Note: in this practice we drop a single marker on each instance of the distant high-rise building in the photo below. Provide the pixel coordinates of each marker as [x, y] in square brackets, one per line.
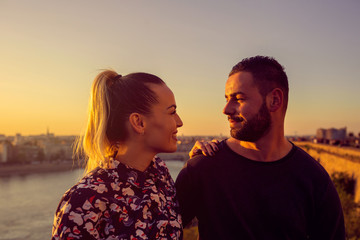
[331, 135]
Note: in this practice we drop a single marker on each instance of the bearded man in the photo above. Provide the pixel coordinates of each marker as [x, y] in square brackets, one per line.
[258, 185]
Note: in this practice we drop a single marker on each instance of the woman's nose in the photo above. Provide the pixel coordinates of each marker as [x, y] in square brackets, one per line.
[179, 122]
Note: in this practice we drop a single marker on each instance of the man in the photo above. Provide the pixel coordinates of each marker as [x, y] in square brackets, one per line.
[258, 185]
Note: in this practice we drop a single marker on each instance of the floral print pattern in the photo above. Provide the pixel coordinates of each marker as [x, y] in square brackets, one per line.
[120, 203]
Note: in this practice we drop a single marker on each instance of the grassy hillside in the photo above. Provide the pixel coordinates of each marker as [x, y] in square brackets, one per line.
[336, 159]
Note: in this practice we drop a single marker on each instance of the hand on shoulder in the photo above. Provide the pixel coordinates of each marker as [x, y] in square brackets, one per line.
[207, 148]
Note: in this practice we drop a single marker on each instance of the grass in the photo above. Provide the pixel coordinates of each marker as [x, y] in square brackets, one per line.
[191, 233]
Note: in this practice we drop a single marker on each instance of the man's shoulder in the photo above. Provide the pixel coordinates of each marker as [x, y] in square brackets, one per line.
[312, 165]
[200, 159]
[305, 157]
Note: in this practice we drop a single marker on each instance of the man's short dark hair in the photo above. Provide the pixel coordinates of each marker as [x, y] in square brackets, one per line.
[267, 72]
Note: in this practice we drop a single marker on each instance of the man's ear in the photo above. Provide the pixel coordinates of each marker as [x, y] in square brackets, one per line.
[275, 99]
[137, 122]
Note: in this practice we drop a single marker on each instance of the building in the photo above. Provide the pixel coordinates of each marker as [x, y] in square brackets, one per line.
[5, 151]
[331, 135]
[27, 153]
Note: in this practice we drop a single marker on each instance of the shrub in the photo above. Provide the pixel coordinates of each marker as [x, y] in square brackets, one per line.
[345, 186]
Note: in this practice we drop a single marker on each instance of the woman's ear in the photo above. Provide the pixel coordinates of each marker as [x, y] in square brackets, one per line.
[137, 122]
[275, 99]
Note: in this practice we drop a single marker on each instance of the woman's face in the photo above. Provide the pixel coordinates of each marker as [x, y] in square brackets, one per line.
[161, 125]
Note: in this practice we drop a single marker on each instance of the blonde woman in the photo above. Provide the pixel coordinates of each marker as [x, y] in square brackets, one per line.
[127, 192]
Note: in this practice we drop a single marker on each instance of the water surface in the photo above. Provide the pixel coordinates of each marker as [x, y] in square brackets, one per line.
[28, 203]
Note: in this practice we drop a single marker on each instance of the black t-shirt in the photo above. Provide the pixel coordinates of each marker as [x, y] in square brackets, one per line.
[237, 198]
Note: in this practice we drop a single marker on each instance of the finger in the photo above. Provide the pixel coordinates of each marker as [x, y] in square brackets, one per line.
[201, 147]
[204, 147]
[196, 150]
[207, 149]
[211, 146]
[214, 146]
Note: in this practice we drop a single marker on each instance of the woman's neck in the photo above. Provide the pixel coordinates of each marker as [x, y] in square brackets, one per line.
[135, 155]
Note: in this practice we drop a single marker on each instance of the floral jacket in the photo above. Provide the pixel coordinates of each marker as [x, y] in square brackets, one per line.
[120, 203]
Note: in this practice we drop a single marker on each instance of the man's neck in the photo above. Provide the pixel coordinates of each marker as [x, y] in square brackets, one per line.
[264, 150]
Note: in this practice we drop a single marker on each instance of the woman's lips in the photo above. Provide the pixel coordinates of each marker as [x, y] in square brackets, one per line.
[174, 136]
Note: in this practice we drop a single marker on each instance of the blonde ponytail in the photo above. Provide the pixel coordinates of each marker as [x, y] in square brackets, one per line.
[94, 145]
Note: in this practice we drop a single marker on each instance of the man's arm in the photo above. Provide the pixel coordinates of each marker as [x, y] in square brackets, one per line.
[329, 223]
[186, 195]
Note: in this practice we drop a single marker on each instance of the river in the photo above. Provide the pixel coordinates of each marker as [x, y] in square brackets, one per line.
[28, 203]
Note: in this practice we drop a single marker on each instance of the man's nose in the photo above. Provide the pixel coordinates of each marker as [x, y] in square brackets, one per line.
[228, 109]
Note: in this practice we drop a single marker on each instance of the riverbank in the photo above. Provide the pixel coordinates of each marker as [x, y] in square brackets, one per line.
[25, 169]
[7, 170]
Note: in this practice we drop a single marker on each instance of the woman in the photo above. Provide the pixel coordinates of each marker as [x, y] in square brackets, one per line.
[127, 192]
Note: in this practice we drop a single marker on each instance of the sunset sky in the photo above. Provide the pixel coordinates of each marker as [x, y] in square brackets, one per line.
[51, 51]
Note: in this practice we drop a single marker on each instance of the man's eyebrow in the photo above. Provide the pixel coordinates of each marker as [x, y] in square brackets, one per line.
[174, 106]
[234, 94]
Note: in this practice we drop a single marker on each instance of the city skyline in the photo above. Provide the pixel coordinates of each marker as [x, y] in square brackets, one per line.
[53, 134]
[51, 52]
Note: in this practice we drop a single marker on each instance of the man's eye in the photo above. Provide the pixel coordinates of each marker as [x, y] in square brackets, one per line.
[173, 113]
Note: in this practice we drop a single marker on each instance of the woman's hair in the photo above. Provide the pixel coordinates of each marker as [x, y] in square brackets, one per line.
[113, 98]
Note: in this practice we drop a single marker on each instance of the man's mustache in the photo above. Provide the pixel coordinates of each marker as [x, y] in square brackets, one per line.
[235, 118]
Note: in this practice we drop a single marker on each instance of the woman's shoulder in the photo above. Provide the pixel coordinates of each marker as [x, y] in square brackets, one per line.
[82, 205]
[161, 171]
[160, 165]
[95, 184]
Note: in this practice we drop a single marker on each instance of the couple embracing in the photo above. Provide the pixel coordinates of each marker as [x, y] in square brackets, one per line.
[254, 185]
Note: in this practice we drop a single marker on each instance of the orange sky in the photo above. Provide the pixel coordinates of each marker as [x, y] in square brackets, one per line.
[51, 51]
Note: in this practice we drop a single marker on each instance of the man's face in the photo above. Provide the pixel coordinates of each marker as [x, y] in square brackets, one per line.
[246, 109]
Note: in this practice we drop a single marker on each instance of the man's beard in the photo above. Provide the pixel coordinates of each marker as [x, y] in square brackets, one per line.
[253, 129]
